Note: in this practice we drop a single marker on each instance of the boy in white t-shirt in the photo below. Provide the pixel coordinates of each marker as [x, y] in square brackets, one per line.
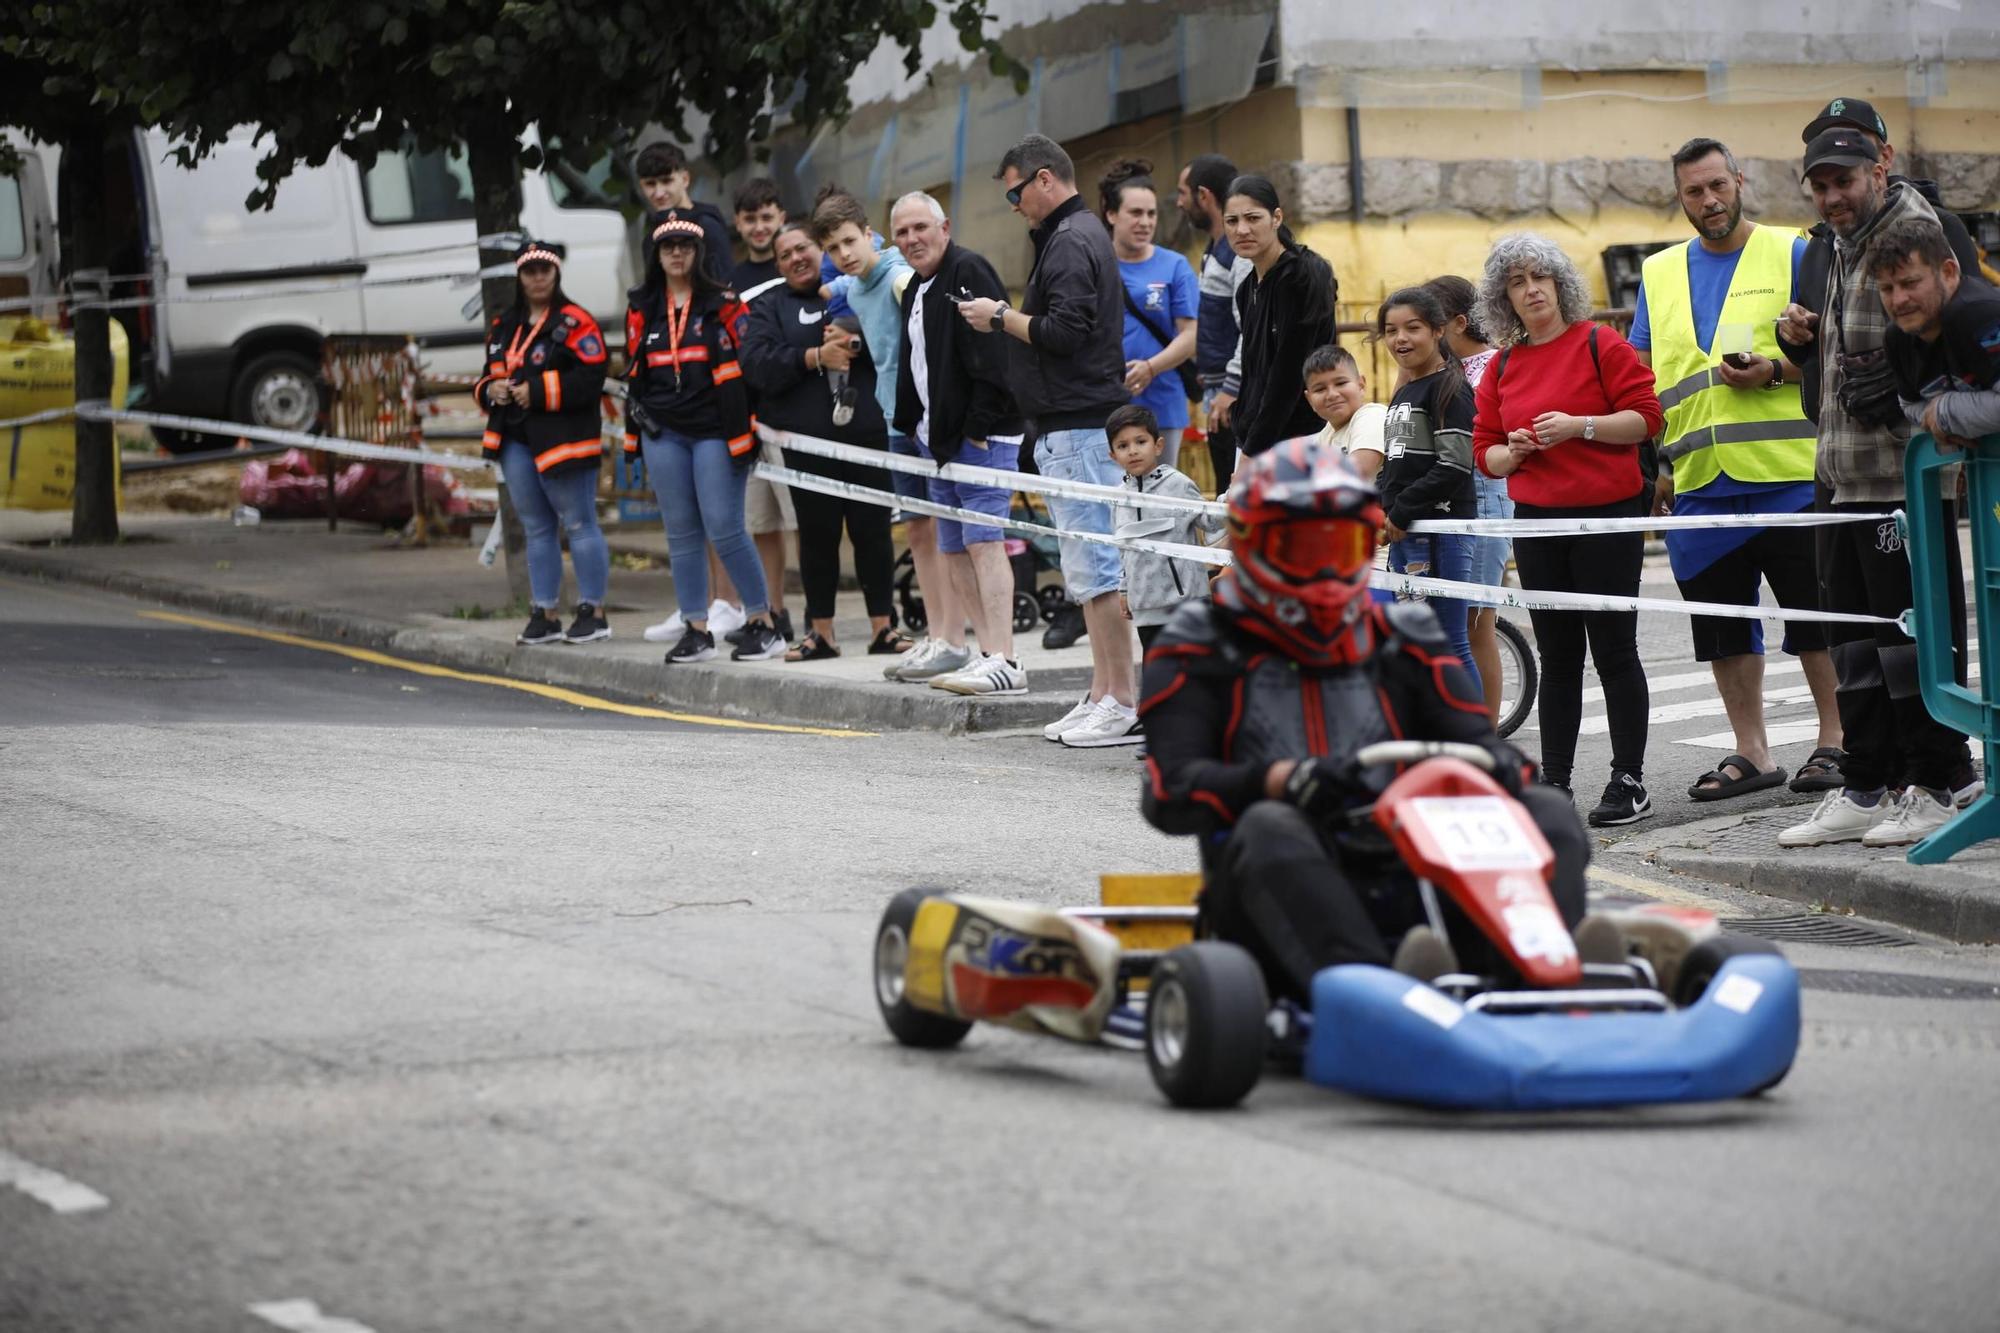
[1338, 391]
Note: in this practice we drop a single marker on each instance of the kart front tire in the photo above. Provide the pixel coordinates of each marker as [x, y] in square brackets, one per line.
[1698, 969]
[1206, 1024]
[907, 1024]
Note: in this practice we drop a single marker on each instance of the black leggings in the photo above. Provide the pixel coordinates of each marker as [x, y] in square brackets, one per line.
[1281, 888]
[821, 518]
[1605, 563]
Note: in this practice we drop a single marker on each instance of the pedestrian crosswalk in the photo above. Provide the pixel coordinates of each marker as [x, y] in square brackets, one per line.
[1687, 709]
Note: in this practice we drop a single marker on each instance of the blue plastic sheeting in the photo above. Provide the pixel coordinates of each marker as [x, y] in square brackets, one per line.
[1380, 1034]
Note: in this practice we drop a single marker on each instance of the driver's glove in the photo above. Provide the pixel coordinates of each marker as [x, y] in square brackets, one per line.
[1325, 788]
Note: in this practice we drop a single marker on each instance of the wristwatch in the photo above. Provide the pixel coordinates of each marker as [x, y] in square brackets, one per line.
[999, 321]
[1777, 374]
[1590, 428]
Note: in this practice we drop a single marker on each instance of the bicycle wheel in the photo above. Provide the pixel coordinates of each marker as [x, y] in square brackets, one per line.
[1519, 675]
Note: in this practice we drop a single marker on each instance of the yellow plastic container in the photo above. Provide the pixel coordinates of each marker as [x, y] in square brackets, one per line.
[38, 372]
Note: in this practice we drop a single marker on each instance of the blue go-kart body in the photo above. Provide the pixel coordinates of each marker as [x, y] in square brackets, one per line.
[1381, 1034]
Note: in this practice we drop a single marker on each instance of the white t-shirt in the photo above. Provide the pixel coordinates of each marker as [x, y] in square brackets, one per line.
[920, 366]
[1361, 434]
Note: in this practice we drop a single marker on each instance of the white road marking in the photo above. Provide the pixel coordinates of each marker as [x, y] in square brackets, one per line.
[303, 1316]
[58, 1191]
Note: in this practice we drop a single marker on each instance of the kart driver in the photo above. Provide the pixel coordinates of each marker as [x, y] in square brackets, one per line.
[1255, 705]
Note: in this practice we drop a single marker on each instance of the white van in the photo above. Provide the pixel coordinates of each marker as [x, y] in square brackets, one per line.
[397, 240]
[27, 233]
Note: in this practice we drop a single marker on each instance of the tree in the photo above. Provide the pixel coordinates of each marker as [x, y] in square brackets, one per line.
[320, 76]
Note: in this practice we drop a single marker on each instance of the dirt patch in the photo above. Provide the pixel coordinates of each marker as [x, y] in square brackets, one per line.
[210, 488]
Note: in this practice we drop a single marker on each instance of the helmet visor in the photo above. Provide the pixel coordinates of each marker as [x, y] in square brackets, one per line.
[1319, 548]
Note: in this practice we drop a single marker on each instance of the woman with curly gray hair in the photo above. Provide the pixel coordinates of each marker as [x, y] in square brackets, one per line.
[1560, 414]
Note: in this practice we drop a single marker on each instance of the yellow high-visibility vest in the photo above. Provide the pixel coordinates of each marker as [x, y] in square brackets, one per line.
[1752, 434]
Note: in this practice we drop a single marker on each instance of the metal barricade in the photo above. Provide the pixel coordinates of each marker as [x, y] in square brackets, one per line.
[1972, 710]
[372, 382]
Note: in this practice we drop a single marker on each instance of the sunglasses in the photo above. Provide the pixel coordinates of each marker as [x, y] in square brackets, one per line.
[1014, 195]
[677, 243]
[1317, 548]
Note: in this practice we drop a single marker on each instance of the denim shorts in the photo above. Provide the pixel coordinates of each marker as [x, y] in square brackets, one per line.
[908, 485]
[1090, 569]
[954, 535]
[1489, 554]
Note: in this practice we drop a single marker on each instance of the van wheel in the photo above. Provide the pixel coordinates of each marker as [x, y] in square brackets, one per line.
[277, 389]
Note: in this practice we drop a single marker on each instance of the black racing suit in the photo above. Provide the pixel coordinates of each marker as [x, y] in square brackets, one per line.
[1222, 704]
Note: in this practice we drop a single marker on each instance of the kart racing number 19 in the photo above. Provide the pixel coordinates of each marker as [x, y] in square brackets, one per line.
[1478, 832]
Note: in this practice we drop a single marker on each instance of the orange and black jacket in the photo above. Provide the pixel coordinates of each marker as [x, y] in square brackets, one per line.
[562, 363]
[707, 399]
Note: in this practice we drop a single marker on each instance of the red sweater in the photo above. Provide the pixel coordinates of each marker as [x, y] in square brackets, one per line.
[1559, 377]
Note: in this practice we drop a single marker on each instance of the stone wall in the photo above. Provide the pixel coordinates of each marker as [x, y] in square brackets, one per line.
[1577, 189]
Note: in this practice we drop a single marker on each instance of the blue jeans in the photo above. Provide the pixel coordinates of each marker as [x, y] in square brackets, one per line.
[1091, 569]
[1489, 554]
[700, 489]
[1441, 557]
[552, 507]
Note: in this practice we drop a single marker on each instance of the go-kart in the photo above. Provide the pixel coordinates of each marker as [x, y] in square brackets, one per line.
[1690, 1014]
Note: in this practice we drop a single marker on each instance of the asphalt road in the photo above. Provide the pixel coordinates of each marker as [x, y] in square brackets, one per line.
[464, 1009]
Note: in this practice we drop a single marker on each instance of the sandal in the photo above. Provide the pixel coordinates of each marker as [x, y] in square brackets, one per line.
[1822, 771]
[1724, 784]
[890, 640]
[812, 648]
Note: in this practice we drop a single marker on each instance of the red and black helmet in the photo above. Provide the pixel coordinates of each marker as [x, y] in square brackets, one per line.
[1304, 529]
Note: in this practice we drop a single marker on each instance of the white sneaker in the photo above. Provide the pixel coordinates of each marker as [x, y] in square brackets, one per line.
[1112, 724]
[724, 619]
[919, 652]
[1085, 709]
[987, 675]
[942, 661]
[667, 631]
[1970, 792]
[1918, 815]
[1839, 819]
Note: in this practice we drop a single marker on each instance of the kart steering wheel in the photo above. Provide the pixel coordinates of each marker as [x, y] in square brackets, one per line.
[1410, 752]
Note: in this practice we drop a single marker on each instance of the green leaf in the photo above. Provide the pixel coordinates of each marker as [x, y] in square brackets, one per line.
[280, 68]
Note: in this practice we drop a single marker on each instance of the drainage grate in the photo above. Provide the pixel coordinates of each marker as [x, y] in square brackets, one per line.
[1814, 928]
[1897, 985]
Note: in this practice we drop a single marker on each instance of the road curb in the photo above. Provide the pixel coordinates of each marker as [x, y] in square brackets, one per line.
[1954, 901]
[754, 695]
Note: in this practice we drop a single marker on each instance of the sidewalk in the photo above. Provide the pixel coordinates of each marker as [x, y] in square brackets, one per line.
[1959, 900]
[440, 605]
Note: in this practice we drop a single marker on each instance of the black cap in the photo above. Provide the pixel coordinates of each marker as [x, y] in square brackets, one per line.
[1840, 147]
[538, 252]
[1849, 111]
[676, 223]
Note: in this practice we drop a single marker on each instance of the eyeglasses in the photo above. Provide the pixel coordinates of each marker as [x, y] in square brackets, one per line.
[1314, 548]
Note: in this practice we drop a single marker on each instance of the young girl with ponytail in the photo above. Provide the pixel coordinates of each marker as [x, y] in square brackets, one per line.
[1285, 309]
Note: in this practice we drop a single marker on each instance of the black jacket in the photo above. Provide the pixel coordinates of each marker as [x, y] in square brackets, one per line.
[1279, 332]
[783, 323]
[1221, 705]
[1966, 354]
[1818, 260]
[1070, 374]
[561, 360]
[968, 390]
[706, 398]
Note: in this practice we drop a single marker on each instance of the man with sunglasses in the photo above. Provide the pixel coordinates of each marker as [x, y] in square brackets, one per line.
[1256, 704]
[1067, 371]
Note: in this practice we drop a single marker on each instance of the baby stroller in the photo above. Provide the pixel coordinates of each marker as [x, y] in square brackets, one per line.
[1031, 558]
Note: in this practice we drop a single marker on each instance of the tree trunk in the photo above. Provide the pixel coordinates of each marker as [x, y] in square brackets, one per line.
[493, 153]
[94, 502]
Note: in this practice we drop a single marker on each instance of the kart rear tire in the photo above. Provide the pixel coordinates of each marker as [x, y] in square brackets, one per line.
[1206, 1025]
[1704, 960]
[907, 1024]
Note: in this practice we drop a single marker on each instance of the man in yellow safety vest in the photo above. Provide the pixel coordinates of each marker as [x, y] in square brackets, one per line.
[1736, 442]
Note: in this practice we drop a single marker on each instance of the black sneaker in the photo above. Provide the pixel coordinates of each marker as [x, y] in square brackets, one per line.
[1066, 628]
[1625, 802]
[782, 622]
[696, 645]
[542, 628]
[760, 643]
[589, 625]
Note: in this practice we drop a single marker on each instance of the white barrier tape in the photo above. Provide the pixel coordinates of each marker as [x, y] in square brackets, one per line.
[1569, 527]
[298, 439]
[985, 476]
[287, 291]
[36, 418]
[834, 486]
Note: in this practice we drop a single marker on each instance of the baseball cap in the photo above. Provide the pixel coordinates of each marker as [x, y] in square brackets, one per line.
[1850, 111]
[1840, 147]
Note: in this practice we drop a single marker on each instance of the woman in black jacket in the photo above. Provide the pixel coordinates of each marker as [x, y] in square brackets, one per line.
[1285, 310]
[788, 347]
[544, 374]
[686, 408]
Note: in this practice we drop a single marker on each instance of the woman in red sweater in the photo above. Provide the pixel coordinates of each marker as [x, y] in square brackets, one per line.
[1560, 414]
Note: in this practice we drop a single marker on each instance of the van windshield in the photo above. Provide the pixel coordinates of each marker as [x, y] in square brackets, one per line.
[405, 186]
[13, 223]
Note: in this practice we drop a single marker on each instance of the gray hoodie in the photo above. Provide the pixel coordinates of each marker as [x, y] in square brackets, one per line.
[1156, 584]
